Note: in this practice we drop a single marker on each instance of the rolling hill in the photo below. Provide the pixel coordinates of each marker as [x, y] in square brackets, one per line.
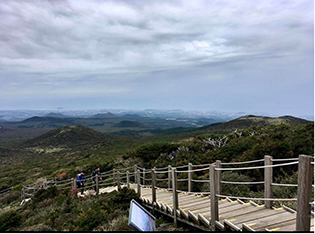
[252, 120]
[69, 138]
[107, 115]
[130, 124]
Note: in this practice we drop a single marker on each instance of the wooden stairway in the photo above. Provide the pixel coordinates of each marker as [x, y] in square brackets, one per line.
[233, 215]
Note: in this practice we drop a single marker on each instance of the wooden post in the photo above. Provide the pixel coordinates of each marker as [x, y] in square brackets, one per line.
[175, 194]
[114, 177]
[214, 206]
[128, 180]
[143, 175]
[169, 176]
[303, 215]
[189, 176]
[96, 184]
[135, 174]
[268, 180]
[218, 176]
[138, 183]
[153, 176]
[22, 195]
[118, 179]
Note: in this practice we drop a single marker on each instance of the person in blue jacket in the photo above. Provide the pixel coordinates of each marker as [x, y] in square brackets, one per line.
[80, 181]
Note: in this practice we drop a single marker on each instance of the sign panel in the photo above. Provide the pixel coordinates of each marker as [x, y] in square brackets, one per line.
[140, 219]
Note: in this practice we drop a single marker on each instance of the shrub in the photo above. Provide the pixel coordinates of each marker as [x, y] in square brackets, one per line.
[9, 221]
[43, 194]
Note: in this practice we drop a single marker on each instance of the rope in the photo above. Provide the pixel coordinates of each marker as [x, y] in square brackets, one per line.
[284, 159]
[181, 166]
[235, 182]
[161, 172]
[248, 168]
[290, 185]
[202, 169]
[161, 168]
[180, 180]
[161, 179]
[258, 199]
[201, 165]
[246, 162]
[146, 172]
[3, 191]
[107, 172]
[202, 181]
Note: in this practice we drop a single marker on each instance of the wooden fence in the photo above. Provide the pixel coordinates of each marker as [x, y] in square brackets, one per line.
[170, 177]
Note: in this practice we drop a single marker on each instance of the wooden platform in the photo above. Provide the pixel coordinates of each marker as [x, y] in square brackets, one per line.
[233, 215]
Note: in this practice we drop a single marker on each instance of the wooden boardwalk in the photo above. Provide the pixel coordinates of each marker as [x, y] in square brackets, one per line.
[233, 215]
[210, 213]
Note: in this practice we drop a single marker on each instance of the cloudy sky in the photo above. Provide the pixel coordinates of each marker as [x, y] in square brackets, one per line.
[223, 55]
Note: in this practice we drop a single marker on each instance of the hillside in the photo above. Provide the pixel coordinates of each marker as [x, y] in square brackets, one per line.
[70, 137]
[130, 124]
[252, 120]
[107, 115]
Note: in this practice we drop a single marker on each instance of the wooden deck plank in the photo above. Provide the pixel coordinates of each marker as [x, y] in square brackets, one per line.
[229, 214]
[283, 227]
[245, 218]
[256, 218]
[243, 215]
[260, 224]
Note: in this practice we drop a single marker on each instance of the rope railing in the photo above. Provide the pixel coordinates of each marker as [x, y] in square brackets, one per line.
[5, 190]
[237, 182]
[245, 162]
[251, 168]
[287, 185]
[284, 159]
[202, 165]
[201, 181]
[202, 169]
[181, 180]
[107, 172]
[161, 168]
[161, 179]
[161, 172]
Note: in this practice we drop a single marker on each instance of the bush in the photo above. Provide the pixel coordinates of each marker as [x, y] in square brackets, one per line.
[44, 194]
[9, 221]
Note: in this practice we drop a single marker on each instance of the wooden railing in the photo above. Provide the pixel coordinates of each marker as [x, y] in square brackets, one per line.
[170, 177]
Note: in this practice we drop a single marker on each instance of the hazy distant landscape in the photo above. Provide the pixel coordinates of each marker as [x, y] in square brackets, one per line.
[45, 146]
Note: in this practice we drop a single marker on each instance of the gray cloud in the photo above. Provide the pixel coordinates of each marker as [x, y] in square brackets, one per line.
[49, 47]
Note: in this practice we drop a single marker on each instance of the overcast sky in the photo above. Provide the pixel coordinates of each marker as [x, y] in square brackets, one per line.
[244, 55]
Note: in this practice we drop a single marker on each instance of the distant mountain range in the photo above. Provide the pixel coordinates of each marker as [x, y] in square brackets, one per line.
[79, 137]
[134, 125]
[107, 115]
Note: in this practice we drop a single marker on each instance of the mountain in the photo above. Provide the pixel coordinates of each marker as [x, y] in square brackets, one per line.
[55, 115]
[130, 124]
[46, 122]
[107, 115]
[69, 137]
[131, 116]
[252, 120]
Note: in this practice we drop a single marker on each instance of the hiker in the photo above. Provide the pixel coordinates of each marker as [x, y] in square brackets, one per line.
[80, 181]
[95, 173]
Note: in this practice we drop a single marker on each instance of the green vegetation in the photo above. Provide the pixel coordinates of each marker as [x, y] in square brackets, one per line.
[72, 149]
